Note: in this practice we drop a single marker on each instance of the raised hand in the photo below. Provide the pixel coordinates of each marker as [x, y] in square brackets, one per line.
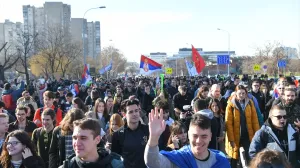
[156, 126]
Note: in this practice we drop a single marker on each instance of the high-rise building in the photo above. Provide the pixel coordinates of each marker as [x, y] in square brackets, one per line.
[57, 14]
[93, 38]
[9, 32]
[38, 19]
[91, 31]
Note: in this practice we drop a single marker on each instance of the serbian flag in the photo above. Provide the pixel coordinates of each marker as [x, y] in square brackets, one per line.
[148, 66]
[198, 60]
[276, 93]
[85, 77]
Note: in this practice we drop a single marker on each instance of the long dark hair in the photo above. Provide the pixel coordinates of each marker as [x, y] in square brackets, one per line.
[32, 111]
[105, 112]
[218, 104]
[201, 90]
[80, 104]
[23, 137]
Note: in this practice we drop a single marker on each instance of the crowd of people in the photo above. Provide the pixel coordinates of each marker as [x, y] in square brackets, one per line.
[186, 122]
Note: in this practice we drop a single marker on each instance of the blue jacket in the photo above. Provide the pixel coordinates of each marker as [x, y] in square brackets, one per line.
[184, 158]
[15, 93]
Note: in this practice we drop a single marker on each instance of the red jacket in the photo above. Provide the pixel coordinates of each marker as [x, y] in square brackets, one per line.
[37, 115]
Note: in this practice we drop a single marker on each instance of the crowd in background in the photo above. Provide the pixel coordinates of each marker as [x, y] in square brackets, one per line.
[252, 121]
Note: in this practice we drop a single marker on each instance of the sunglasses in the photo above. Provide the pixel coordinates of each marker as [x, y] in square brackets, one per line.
[279, 117]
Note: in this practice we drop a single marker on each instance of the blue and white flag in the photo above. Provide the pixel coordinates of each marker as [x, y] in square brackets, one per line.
[191, 68]
[107, 68]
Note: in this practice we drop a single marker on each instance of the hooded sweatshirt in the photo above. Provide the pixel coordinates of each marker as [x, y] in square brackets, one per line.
[105, 160]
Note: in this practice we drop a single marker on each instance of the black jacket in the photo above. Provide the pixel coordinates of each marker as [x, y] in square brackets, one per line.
[147, 102]
[39, 141]
[29, 128]
[30, 162]
[130, 144]
[57, 152]
[105, 160]
[179, 101]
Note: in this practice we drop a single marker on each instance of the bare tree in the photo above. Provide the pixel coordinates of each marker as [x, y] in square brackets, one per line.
[7, 62]
[25, 48]
[71, 52]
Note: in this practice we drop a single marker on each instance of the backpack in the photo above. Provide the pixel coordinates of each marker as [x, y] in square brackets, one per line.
[8, 101]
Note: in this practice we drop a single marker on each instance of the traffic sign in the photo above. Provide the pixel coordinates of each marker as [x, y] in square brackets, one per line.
[223, 59]
[169, 71]
[281, 64]
[265, 67]
[256, 67]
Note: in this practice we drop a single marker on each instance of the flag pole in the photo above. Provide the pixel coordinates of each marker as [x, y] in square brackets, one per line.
[176, 65]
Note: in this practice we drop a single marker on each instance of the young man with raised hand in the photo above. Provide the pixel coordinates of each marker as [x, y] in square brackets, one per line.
[195, 155]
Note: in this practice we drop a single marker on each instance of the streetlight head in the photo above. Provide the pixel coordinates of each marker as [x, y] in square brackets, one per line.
[102, 7]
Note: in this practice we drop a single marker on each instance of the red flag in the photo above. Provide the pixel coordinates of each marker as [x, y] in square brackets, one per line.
[198, 60]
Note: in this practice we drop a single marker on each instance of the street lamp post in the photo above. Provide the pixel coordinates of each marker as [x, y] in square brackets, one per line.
[228, 46]
[83, 32]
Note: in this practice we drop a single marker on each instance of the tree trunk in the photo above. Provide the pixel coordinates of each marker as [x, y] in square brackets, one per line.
[26, 73]
[2, 77]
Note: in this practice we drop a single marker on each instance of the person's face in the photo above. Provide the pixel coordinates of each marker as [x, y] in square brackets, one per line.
[173, 83]
[27, 96]
[204, 94]
[110, 102]
[280, 89]
[129, 86]
[289, 97]
[84, 142]
[182, 137]
[89, 92]
[75, 105]
[182, 91]
[199, 139]
[69, 99]
[241, 94]
[109, 94]
[132, 114]
[214, 107]
[3, 125]
[48, 102]
[255, 86]
[119, 90]
[166, 114]
[21, 115]
[216, 92]
[147, 89]
[114, 126]
[236, 81]
[14, 146]
[47, 121]
[100, 108]
[279, 118]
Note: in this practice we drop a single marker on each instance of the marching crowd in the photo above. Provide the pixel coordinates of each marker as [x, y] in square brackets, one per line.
[186, 122]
